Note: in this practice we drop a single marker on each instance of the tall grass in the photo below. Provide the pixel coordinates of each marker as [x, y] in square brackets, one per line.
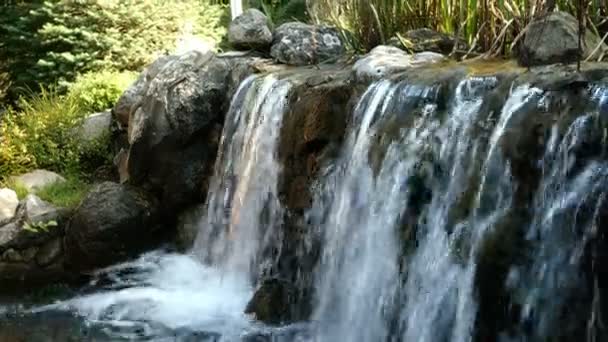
[492, 26]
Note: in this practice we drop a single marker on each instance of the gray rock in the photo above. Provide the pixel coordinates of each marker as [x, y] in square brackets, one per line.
[95, 126]
[302, 44]
[37, 179]
[250, 30]
[35, 223]
[386, 60]
[8, 204]
[131, 98]
[173, 134]
[49, 252]
[112, 223]
[554, 39]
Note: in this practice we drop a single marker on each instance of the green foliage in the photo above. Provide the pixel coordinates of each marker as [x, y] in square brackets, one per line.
[18, 187]
[43, 133]
[66, 194]
[39, 227]
[39, 136]
[281, 11]
[52, 42]
[98, 91]
[489, 25]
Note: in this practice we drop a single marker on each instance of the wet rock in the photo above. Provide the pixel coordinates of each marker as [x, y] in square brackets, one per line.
[303, 44]
[250, 30]
[37, 179]
[272, 302]
[386, 60]
[95, 126]
[132, 97]
[49, 252]
[425, 39]
[554, 39]
[112, 222]
[8, 204]
[188, 225]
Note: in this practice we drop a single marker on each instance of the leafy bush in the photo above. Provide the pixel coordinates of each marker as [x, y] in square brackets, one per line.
[53, 41]
[281, 11]
[98, 91]
[42, 134]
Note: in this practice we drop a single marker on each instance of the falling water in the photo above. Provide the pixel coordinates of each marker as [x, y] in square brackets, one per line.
[208, 290]
[426, 183]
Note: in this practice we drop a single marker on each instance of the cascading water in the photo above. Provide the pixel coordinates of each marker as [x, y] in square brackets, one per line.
[161, 293]
[460, 210]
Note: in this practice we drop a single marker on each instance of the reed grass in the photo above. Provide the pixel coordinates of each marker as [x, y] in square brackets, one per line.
[492, 26]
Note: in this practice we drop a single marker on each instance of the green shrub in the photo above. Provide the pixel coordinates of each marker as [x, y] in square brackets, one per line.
[98, 91]
[40, 135]
[18, 187]
[51, 42]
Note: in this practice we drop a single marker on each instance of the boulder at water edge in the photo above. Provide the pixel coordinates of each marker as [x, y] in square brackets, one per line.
[113, 222]
[250, 30]
[554, 39]
[386, 60]
[302, 44]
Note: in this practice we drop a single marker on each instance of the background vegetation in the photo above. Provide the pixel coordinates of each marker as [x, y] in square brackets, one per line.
[491, 26]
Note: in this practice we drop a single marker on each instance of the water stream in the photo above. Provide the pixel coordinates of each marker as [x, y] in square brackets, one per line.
[424, 199]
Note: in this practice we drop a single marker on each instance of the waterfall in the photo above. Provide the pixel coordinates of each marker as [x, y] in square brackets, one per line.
[243, 210]
[457, 208]
[209, 289]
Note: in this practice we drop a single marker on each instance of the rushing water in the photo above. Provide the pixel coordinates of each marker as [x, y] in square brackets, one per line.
[425, 198]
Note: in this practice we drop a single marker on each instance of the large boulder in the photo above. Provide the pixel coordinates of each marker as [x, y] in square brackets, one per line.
[8, 204]
[250, 30]
[113, 222]
[175, 129]
[424, 39]
[554, 39]
[132, 97]
[37, 179]
[302, 44]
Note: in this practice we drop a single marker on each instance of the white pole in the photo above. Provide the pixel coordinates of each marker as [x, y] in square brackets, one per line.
[236, 8]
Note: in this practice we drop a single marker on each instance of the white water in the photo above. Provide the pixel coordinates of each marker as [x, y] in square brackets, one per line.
[209, 289]
[369, 287]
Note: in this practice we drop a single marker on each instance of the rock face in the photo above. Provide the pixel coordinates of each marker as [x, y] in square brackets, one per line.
[8, 204]
[385, 60]
[303, 44]
[173, 132]
[250, 30]
[132, 97]
[188, 225]
[38, 179]
[272, 302]
[554, 39]
[31, 246]
[95, 126]
[425, 39]
[112, 222]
